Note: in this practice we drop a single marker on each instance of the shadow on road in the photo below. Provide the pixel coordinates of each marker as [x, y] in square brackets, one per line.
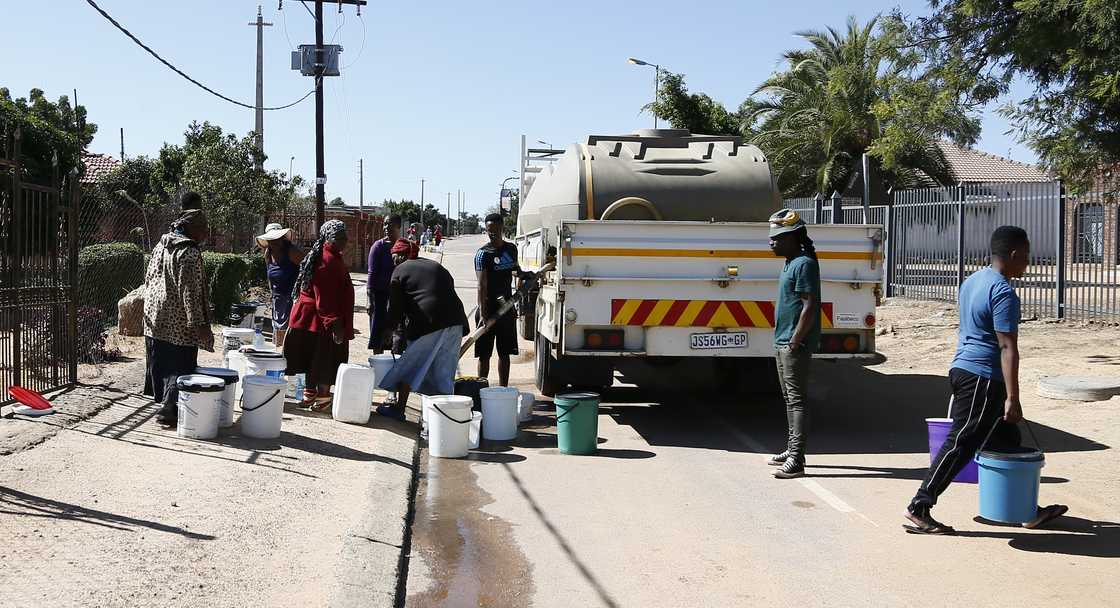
[29, 505]
[854, 409]
[1064, 536]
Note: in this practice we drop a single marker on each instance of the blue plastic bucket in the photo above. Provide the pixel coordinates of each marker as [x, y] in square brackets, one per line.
[1009, 484]
[938, 430]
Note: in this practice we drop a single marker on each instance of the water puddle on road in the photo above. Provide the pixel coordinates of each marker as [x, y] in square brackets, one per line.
[471, 557]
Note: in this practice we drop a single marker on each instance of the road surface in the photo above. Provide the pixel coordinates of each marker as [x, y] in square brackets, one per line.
[679, 508]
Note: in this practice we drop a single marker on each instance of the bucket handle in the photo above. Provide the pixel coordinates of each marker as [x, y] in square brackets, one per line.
[1030, 429]
[449, 417]
[570, 410]
[258, 406]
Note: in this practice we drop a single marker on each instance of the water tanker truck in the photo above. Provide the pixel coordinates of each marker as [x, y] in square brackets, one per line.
[662, 263]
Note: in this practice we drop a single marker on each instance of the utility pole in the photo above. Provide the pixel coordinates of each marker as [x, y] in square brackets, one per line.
[449, 213]
[320, 157]
[259, 126]
[459, 212]
[122, 144]
[361, 186]
[421, 204]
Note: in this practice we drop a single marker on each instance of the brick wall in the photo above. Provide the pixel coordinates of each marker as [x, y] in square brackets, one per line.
[362, 228]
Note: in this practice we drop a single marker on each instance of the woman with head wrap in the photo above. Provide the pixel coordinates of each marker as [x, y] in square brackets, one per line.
[176, 311]
[322, 321]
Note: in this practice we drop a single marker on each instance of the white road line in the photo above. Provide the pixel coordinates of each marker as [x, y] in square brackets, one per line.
[823, 494]
[833, 500]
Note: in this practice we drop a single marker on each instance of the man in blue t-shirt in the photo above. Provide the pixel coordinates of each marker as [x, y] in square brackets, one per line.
[984, 378]
[495, 266]
[797, 331]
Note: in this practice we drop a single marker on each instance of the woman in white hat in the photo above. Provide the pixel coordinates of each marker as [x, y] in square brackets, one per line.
[283, 258]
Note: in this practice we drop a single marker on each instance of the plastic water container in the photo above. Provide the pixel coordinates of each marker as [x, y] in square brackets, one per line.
[1009, 484]
[475, 432]
[233, 338]
[229, 395]
[264, 363]
[450, 418]
[353, 393]
[381, 364]
[525, 407]
[262, 406]
[499, 409]
[200, 403]
[237, 362]
[577, 423]
[938, 430]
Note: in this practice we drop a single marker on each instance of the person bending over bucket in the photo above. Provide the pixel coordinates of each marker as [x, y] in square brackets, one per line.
[422, 293]
[984, 378]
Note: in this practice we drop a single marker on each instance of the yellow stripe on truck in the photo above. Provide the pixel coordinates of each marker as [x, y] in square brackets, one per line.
[616, 252]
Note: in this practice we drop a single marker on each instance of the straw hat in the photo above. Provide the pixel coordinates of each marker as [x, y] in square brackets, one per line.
[272, 232]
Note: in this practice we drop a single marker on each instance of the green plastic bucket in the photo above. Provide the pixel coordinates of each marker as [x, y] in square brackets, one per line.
[577, 422]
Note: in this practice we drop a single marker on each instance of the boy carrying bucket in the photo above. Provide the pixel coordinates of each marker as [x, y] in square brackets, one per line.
[984, 377]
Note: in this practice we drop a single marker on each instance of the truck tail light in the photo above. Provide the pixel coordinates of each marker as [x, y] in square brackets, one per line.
[603, 339]
[836, 344]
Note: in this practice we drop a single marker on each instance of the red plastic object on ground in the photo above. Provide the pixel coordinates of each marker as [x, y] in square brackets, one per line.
[29, 398]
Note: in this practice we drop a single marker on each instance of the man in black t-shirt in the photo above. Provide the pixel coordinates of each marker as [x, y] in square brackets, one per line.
[495, 264]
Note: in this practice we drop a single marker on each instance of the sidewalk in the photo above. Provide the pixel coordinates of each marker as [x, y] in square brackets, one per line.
[117, 511]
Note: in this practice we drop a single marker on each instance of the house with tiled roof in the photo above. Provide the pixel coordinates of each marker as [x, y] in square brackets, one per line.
[96, 166]
[973, 167]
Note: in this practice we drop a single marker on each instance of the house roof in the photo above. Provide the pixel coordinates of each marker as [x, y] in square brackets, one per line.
[968, 165]
[97, 167]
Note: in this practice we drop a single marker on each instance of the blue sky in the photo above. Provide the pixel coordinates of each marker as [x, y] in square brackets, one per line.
[440, 91]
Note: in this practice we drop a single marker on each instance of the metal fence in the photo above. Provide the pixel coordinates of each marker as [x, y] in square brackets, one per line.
[38, 260]
[937, 237]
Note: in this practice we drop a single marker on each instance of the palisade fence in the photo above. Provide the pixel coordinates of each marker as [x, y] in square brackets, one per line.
[937, 237]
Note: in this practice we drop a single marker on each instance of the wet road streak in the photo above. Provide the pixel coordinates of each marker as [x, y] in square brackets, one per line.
[471, 557]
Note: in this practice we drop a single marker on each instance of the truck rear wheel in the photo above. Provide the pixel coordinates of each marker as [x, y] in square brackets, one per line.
[547, 382]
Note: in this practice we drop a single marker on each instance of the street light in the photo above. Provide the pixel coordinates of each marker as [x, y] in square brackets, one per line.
[656, 83]
[501, 210]
[541, 141]
[290, 161]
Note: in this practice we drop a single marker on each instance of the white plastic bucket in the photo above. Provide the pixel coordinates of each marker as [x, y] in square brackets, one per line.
[499, 409]
[265, 363]
[381, 365]
[237, 362]
[475, 431]
[200, 403]
[525, 407]
[262, 406]
[229, 395]
[450, 419]
[233, 338]
[353, 393]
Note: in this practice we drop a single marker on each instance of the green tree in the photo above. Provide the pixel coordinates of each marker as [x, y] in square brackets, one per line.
[850, 93]
[696, 112]
[410, 212]
[337, 202]
[46, 127]
[1069, 50]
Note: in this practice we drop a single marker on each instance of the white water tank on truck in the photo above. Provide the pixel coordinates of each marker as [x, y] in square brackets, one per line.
[652, 174]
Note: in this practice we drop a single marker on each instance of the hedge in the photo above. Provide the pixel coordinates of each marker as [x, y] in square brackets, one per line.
[106, 273]
[256, 274]
[226, 272]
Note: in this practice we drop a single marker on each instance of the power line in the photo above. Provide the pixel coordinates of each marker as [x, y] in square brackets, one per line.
[361, 50]
[120, 27]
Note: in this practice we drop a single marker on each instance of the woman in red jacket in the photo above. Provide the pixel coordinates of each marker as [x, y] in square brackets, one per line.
[322, 320]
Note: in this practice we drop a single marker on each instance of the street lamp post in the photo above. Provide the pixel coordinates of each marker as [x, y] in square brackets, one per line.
[290, 161]
[502, 189]
[656, 83]
[543, 142]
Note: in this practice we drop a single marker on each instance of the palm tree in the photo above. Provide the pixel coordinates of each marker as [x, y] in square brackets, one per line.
[816, 118]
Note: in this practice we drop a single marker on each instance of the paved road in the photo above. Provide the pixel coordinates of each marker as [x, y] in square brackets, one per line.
[679, 508]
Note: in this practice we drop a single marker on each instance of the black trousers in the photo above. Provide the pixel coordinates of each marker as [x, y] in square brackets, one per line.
[165, 363]
[976, 408]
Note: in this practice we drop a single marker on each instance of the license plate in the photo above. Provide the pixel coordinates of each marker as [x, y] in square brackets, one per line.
[718, 340]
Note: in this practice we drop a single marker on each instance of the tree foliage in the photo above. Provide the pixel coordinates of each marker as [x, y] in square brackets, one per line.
[46, 127]
[1069, 50]
[853, 92]
[410, 213]
[337, 202]
[696, 112]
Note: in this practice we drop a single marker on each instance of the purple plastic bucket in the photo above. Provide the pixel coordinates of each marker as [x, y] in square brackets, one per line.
[938, 430]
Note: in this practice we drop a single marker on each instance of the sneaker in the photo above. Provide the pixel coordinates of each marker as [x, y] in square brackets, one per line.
[790, 469]
[778, 460]
[391, 411]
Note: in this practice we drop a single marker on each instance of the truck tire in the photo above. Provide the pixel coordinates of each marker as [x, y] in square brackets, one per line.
[528, 322]
[547, 382]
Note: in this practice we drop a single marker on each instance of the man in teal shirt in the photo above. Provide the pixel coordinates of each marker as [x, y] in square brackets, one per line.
[797, 330]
